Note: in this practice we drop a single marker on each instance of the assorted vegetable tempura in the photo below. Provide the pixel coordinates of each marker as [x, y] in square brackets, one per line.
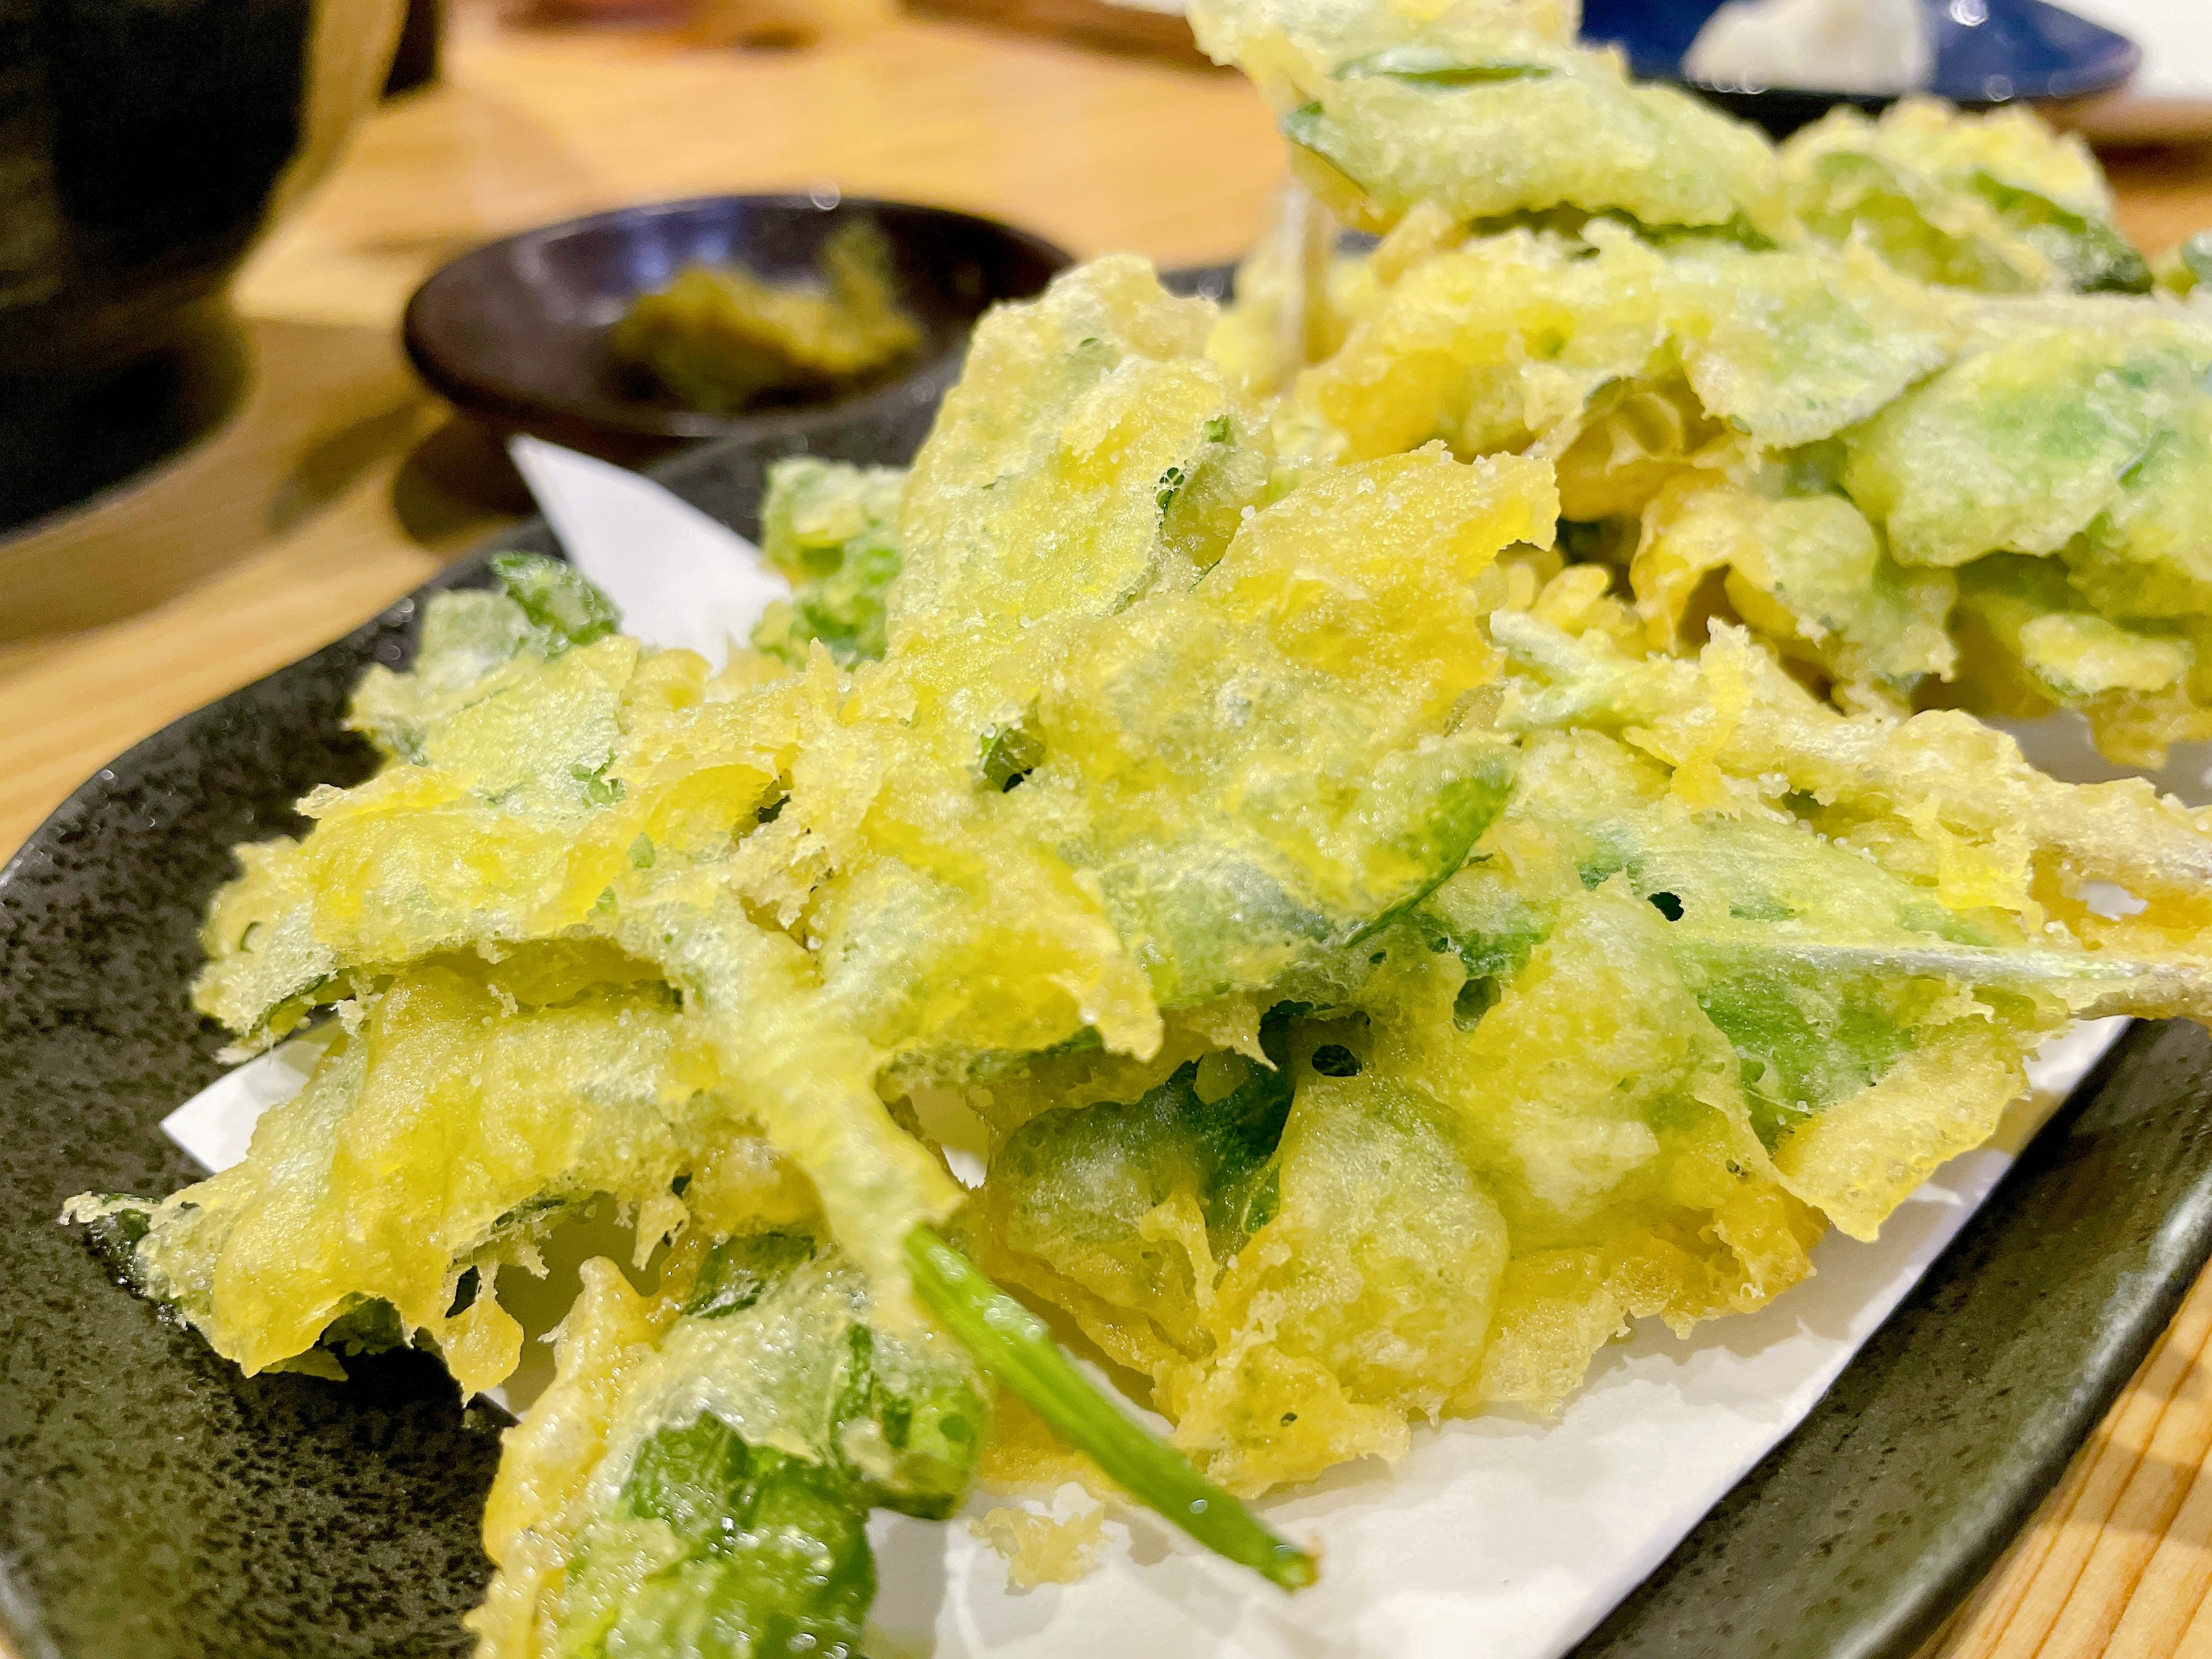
[1894, 396]
[1396, 809]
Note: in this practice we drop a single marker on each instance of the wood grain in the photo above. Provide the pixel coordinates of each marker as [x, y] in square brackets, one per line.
[2119, 1559]
[340, 484]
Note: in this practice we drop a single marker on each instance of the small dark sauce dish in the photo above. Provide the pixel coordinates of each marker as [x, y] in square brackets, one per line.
[1988, 52]
[515, 333]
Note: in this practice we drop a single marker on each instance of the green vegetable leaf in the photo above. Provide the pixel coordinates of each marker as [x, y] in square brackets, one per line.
[738, 1271]
[2095, 258]
[755, 1553]
[1309, 127]
[556, 598]
[1012, 1344]
[1010, 753]
[599, 789]
[1171, 484]
[833, 529]
[1096, 1168]
[718, 1545]
[2195, 256]
[1431, 66]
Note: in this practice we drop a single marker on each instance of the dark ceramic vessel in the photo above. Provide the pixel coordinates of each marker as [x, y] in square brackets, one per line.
[142, 148]
[155, 1505]
[515, 333]
[1987, 52]
[142, 145]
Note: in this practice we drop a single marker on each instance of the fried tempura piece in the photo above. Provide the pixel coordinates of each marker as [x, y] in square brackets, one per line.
[1506, 343]
[1728, 967]
[1389, 958]
[698, 1478]
[1487, 111]
[614, 799]
[473, 1108]
[1800, 424]
[1996, 202]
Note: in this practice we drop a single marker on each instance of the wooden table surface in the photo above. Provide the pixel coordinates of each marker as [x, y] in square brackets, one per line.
[341, 483]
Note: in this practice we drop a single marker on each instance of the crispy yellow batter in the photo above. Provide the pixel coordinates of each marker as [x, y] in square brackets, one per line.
[1894, 349]
[1383, 975]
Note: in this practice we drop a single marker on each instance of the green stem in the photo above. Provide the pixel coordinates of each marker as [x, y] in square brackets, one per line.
[1012, 1344]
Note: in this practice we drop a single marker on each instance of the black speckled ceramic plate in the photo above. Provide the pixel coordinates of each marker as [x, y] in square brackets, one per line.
[155, 1503]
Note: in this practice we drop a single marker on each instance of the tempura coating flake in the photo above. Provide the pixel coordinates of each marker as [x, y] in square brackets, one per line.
[1040, 1547]
[1807, 569]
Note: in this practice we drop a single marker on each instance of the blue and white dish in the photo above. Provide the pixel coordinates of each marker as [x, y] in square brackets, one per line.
[1987, 52]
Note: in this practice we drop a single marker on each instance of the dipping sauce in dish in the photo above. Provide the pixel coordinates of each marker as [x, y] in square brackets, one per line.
[807, 297]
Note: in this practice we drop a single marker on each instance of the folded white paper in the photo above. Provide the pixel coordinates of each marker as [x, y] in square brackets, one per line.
[678, 577]
[216, 1125]
[1501, 1536]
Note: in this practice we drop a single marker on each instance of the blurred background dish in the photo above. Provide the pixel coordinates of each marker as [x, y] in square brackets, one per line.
[516, 332]
[144, 148]
[1983, 52]
[2169, 101]
[2118, 72]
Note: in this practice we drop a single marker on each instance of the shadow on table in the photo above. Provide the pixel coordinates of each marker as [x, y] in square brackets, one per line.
[324, 408]
[452, 478]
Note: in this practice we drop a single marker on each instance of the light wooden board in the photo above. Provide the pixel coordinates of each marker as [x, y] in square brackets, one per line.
[341, 484]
